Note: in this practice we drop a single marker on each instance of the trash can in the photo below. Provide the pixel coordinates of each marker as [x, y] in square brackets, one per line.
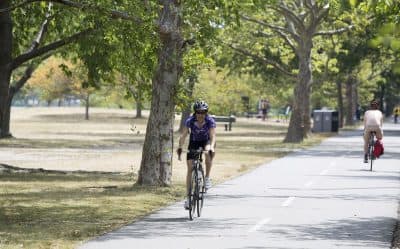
[325, 121]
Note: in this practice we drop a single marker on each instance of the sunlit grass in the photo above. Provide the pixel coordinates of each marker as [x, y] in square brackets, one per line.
[43, 210]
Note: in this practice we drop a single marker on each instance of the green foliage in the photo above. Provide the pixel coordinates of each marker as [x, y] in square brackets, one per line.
[122, 54]
[224, 93]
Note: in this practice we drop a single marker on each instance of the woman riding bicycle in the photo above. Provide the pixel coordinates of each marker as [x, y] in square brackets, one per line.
[201, 128]
[373, 121]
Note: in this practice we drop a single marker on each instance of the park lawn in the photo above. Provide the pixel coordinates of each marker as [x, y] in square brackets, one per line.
[55, 210]
[60, 208]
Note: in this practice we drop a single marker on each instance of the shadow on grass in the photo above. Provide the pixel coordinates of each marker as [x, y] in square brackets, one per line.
[94, 117]
[72, 144]
[43, 207]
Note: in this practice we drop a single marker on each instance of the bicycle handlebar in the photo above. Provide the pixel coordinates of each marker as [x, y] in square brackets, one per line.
[197, 151]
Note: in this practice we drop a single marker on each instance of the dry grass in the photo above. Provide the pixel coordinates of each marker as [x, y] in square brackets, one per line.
[60, 209]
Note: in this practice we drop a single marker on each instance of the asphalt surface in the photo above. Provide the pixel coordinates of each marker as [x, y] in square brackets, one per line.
[323, 197]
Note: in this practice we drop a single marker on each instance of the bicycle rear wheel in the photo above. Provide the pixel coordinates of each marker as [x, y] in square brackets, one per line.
[371, 152]
[201, 191]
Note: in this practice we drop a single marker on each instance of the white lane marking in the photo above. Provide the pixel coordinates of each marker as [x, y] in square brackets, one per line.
[259, 225]
[288, 201]
[308, 184]
[324, 172]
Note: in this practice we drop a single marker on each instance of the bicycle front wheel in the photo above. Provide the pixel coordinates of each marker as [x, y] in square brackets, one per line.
[201, 192]
[192, 196]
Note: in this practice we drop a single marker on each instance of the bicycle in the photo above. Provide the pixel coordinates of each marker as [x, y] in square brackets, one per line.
[197, 188]
[371, 146]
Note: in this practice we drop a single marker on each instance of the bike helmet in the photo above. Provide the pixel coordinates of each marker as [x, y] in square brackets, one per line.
[200, 105]
[374, 104]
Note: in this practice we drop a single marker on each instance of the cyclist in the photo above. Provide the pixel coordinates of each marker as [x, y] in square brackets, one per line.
[396, 113]
[201, 128]
[373, 121]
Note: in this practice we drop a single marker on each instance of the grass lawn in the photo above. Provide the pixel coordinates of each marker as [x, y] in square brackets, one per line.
[86, 187]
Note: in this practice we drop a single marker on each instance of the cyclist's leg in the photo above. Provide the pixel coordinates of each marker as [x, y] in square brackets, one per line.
[208, 160]
[379, 133]
[189, 163]
[366, 139]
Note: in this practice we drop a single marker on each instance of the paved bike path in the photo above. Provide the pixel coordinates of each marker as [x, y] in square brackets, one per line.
[323, 197]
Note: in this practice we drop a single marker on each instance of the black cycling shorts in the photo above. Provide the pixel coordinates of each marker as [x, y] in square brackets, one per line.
[194, 145]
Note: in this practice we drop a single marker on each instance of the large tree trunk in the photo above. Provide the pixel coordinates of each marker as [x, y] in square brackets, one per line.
[156, 164]
[300, 125]
[5, 70]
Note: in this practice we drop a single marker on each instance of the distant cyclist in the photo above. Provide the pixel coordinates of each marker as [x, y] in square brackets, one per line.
[373, 121]
[396, 113]
[201, 128]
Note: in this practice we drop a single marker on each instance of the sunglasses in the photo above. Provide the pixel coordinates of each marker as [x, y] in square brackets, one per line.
[201, 112]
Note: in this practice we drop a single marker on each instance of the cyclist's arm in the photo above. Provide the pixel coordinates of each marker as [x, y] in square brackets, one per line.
[212, 138]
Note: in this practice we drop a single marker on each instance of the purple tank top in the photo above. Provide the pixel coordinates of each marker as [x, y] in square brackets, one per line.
[200, 134]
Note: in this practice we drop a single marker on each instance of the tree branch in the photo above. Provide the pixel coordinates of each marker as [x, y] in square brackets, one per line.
[113, 14]
[280, 30]
[288, 41]
[52, 46]
[322, 13]
[21, 82]
[334, 32]
[290, 15]
[275, 64]
[26, 76]
[262, 34]
[42, 30]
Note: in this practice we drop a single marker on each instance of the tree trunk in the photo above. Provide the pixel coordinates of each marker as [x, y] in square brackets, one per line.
[5, 103]
[188, 109]
[5, 69]
[351, 103]
[185, 115]
[300, 125]
[156, 164]
[139, 103]
[340, 103]
[139, 109]
[87, 103]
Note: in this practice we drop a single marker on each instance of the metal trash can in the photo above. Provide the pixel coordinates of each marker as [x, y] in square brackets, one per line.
[325, 121]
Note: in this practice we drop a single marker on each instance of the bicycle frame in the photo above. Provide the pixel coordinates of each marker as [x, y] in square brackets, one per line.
[196, 188]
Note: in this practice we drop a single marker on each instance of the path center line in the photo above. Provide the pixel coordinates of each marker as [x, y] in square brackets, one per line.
[308, 184]
[259, 225]
[288, 201]
[324, 172]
